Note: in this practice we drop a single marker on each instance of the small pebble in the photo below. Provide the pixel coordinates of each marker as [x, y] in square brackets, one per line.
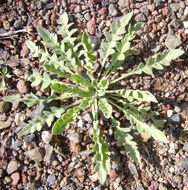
[46, 136]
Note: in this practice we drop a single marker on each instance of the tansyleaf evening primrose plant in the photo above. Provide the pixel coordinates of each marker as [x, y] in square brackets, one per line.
[64, 56]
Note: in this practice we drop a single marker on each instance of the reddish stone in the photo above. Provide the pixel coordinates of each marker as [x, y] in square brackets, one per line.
[38, 22]
[53, 18]
[91, 26]
[64, 163]
[15, 178]
[184, 36]
[24, 178]
[113, 175]
[71, 8]
[144, 138]
[154, 13]
[103, 11]
[81, 27]
[165, 11]
[154, 27]
[168, 106]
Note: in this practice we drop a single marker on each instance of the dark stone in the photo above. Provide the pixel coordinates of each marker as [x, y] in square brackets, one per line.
[29, 138]
[176, 119]
[18, 24]
[96, 41]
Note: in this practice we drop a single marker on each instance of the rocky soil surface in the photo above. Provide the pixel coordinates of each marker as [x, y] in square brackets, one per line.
[42, 162]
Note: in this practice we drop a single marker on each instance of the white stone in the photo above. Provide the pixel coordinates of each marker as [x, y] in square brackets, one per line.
[46, 136]
[169, 113]
[185, 24]
[186, 11]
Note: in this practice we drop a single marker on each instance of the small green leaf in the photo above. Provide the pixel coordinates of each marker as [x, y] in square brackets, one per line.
[86, 42]
[34, 125]
[63, 123]
[86, 102]
[63, 19]
[69, 88]
[12, 99]
[147, 70]
[103, 84]
[105, 107]
[81, 80]
[127, 140]
[4, 70]
[33, 48]
[174, 54]
[51, 39]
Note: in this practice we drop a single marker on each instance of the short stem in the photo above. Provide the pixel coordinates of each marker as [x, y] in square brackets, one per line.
[122, 77]
[102, 66]
[110, 67]
[114, 104]
[73, 104]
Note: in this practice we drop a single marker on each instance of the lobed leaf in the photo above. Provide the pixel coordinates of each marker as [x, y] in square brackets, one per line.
[69, 88]
[12, 99]
[67, 119]
[102, 156]
[127, 140]
[35, 50]
[81, 80]
[105, 107]
[131, 95]
[51, 68]
[88, 52]
[49, 38]
[87, 102]
[104, 83]
[38, 79]
[38, 122]
[143, 127]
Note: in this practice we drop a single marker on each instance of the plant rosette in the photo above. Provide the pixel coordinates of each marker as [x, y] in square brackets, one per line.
[64, 56]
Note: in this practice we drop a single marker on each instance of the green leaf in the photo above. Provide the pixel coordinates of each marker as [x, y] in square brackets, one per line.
[174, 54]
[102, 156]
[69, 88]
[86, 42]
[4, 70]
[130, 145]
[88, 52]
[38, 79]
[50, 39]
[64, 123]
[81, 80]
[143, 127]
[63, 19]
[147, 70]
[34, 125]
[103, 84]
[105, 107]
[139, 95]
[35, 50]
[12, 99]
[51, 68]
[87, 102]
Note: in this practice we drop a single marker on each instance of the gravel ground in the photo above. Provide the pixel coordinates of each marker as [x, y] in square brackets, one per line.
[42, 162]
